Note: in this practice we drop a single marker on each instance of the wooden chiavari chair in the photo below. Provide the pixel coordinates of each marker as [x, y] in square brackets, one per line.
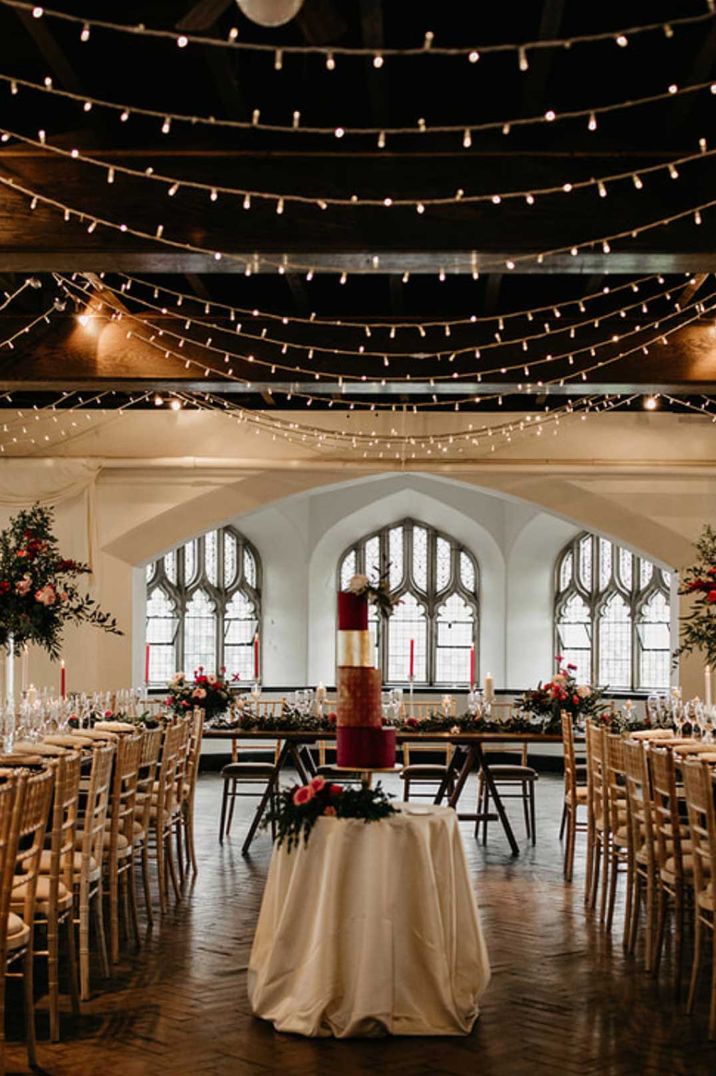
[12, 928]
[674, 867]
[698, 787]
[162, 812]
[189, 787]
[617, 831]
[147, 773]
[575, 796]
[32, 824]
[642, 865]
[596, 811]
[119, 840]
[55, 900]
[87, 866]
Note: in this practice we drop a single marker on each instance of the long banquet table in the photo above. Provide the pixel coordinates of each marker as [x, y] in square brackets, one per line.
[468, 756]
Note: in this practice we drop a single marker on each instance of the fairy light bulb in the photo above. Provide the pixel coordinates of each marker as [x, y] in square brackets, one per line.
[622, 41]
[473, 56]
[330, 62]
[550, 115]
[85, 34]
[637, 181]
[592, 124]
[522, 60]
[182, 41]
[377, 61]
[467, 138]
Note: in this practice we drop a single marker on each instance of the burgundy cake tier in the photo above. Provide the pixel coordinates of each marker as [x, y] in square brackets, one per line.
[359, 697]
[365, 748]
[352, 611]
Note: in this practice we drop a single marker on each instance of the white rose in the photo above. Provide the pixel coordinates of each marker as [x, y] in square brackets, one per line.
[584, 691]
[358, 584]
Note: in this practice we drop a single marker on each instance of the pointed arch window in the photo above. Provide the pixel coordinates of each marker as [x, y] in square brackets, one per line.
[437, 581]
[204, 607]
[612, 615]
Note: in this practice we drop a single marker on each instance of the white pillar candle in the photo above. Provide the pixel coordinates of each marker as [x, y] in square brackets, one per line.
[707, 685]
[489, 687]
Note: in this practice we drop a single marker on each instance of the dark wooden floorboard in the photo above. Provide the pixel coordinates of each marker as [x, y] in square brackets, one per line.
[563, 999]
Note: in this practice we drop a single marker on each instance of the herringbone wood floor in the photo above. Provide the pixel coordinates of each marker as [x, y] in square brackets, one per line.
[563, 1000]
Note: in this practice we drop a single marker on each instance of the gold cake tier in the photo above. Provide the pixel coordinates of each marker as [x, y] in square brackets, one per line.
[359, 697]
[355, 648]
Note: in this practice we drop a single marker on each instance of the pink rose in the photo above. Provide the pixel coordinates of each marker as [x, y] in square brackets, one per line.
[317, 783]
[46, 595]
[302, 795]
[107, 713]
[199, 693]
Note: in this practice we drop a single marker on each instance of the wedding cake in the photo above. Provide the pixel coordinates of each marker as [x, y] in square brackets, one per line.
[361, 740]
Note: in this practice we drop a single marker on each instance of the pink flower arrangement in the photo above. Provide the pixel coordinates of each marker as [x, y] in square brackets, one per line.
[298, 809]
[302, 795]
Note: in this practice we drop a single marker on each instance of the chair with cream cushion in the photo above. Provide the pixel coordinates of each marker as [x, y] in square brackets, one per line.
[118, 858]
[617, 856]
[19, 954]
[87, 861]
[575, 796]
[596, 811]
[148, 763]
[698, 787]
[515, 780]
[674, 864]
[642, 877]
[189, 786]
[55, 902]
[12, 792]
[163, 813]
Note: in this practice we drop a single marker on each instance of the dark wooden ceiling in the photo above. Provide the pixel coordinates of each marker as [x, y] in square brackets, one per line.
[454, 239]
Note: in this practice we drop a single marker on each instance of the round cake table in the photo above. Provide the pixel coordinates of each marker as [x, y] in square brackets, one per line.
[371, 929]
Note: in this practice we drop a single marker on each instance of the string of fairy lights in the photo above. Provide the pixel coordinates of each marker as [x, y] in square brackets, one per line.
[167, 120]
[428, 48]
[390, 325]
[276, 364]
[286, 263]
[173, 184]
[149, 333]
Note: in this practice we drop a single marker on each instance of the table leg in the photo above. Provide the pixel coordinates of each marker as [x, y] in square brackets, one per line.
[453, 766]
[263, 802]
[496, 799]
[471, 757]
[304, 771]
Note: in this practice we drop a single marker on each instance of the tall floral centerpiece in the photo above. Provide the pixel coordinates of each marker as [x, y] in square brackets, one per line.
[39, 591]
[562, 692]
[698, 626]
[208, 691]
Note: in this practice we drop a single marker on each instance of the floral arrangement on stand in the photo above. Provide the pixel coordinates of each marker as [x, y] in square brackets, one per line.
[208, 691]
[562, 692]
[698, 626]
[298, 808]
[377, 592]
[39, 592]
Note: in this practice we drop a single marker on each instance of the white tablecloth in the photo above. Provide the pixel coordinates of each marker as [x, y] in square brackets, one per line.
[371, 929]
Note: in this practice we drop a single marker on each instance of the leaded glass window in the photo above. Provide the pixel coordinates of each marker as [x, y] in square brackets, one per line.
[204, 607]
[437, 582]
[612, 615]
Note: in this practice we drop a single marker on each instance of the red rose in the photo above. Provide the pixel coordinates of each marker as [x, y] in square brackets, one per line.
[575, 700]
[21, 553]
[413, 722]
[335, 790]
[571, 666]
[4, 586]
[711, 571]
[332, 718]
[558, 658]
[711, 597]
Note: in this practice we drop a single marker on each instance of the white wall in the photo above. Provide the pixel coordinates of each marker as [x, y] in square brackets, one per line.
[647, 481]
